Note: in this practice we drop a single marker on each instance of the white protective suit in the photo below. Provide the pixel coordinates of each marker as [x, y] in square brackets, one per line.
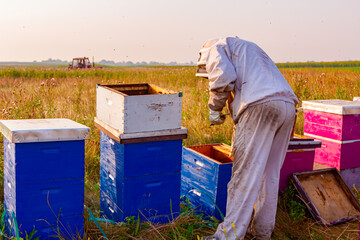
[263, 110]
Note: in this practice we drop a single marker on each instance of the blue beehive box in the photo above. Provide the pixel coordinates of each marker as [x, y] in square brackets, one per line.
[140, 174]
[43, 167]
[205, 173]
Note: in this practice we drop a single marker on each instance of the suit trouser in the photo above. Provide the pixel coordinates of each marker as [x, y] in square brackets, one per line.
[260, 143]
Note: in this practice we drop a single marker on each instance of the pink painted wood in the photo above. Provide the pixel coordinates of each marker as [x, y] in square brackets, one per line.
[333, 126]
[340, 156]
[295, 161]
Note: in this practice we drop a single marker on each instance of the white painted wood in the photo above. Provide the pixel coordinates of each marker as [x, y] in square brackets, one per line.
[43, 130]
[110, 107]
[157, 133]
[138, 113]
[335, 106]
[356, 99]
[152, 112]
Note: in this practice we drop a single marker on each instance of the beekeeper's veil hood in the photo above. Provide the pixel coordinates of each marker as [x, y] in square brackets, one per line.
[204, 53]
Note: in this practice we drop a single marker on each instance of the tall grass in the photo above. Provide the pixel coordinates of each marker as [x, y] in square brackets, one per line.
[59, 93]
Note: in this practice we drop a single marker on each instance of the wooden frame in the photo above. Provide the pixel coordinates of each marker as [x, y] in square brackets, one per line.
[164, 135]
[313, 204]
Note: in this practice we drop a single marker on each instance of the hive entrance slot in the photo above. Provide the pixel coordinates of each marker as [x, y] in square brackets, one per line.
[217, 152]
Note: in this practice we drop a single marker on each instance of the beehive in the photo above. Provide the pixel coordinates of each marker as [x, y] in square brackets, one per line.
[299, 158]
[132, 108]
[337, 124]
[206, 171]
[140, 174]
[43, 166]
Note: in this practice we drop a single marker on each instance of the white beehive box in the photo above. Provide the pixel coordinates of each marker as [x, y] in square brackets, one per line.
[131, 108]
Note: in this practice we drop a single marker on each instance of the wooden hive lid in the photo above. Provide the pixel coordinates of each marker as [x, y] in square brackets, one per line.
[336, 106]
[43, 130]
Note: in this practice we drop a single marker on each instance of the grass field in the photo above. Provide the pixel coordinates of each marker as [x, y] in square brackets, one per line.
[35, 92]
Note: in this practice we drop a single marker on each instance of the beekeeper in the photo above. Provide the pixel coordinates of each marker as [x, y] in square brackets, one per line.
[262, 106]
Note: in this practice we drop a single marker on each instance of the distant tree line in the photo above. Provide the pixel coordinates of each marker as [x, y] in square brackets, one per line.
[319, 64]
[143, 63]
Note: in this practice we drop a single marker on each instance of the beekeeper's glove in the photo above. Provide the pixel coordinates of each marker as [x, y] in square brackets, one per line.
[216, 118]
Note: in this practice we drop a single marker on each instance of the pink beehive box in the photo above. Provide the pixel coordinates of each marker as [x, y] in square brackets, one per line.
[338, 155]
[299, 158]
[337, 124]
[334, 119]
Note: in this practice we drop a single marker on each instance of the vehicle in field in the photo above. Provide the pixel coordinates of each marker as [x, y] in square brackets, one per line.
[80, 63]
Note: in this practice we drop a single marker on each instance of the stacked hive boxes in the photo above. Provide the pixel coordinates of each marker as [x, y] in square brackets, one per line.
[299, 158]
[206, 171]
[337, 124]
[44, 176]
[140, 151]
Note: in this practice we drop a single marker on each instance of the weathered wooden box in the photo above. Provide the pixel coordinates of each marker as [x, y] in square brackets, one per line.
[328, 198]
[140, 173]
[351, 176]
[43, 166]
[131, 108]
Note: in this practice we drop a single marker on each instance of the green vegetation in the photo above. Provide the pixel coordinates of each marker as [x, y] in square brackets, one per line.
[38, 92]
[347, 64]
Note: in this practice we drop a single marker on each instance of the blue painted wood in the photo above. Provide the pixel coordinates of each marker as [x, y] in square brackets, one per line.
[201, 200]
[139, 177]
[48, 160]
[44, 200]
[44, 180]
[162, 214]
[204, 182]
[149, 194]
[139, 159]
[64, 227]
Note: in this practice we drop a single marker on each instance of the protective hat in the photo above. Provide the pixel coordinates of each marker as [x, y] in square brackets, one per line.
[204, 53]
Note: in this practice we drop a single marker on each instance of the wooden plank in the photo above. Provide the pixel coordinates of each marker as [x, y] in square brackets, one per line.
[223, 148]
[152, 112]
[107, 132]
[218, 152]
[159, 90]
[298, 137]
[122, 88]
[140, 137]
[110, 107]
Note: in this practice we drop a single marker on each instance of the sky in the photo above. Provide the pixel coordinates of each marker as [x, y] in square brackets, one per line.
[172, 30]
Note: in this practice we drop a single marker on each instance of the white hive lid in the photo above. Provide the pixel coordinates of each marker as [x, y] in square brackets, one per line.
[43, 130]
[336, 106]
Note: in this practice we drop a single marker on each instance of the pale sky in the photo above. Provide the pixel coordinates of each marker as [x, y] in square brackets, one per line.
[172, 30]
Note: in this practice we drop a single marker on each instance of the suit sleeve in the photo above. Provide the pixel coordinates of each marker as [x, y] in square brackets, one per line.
[222, 77]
